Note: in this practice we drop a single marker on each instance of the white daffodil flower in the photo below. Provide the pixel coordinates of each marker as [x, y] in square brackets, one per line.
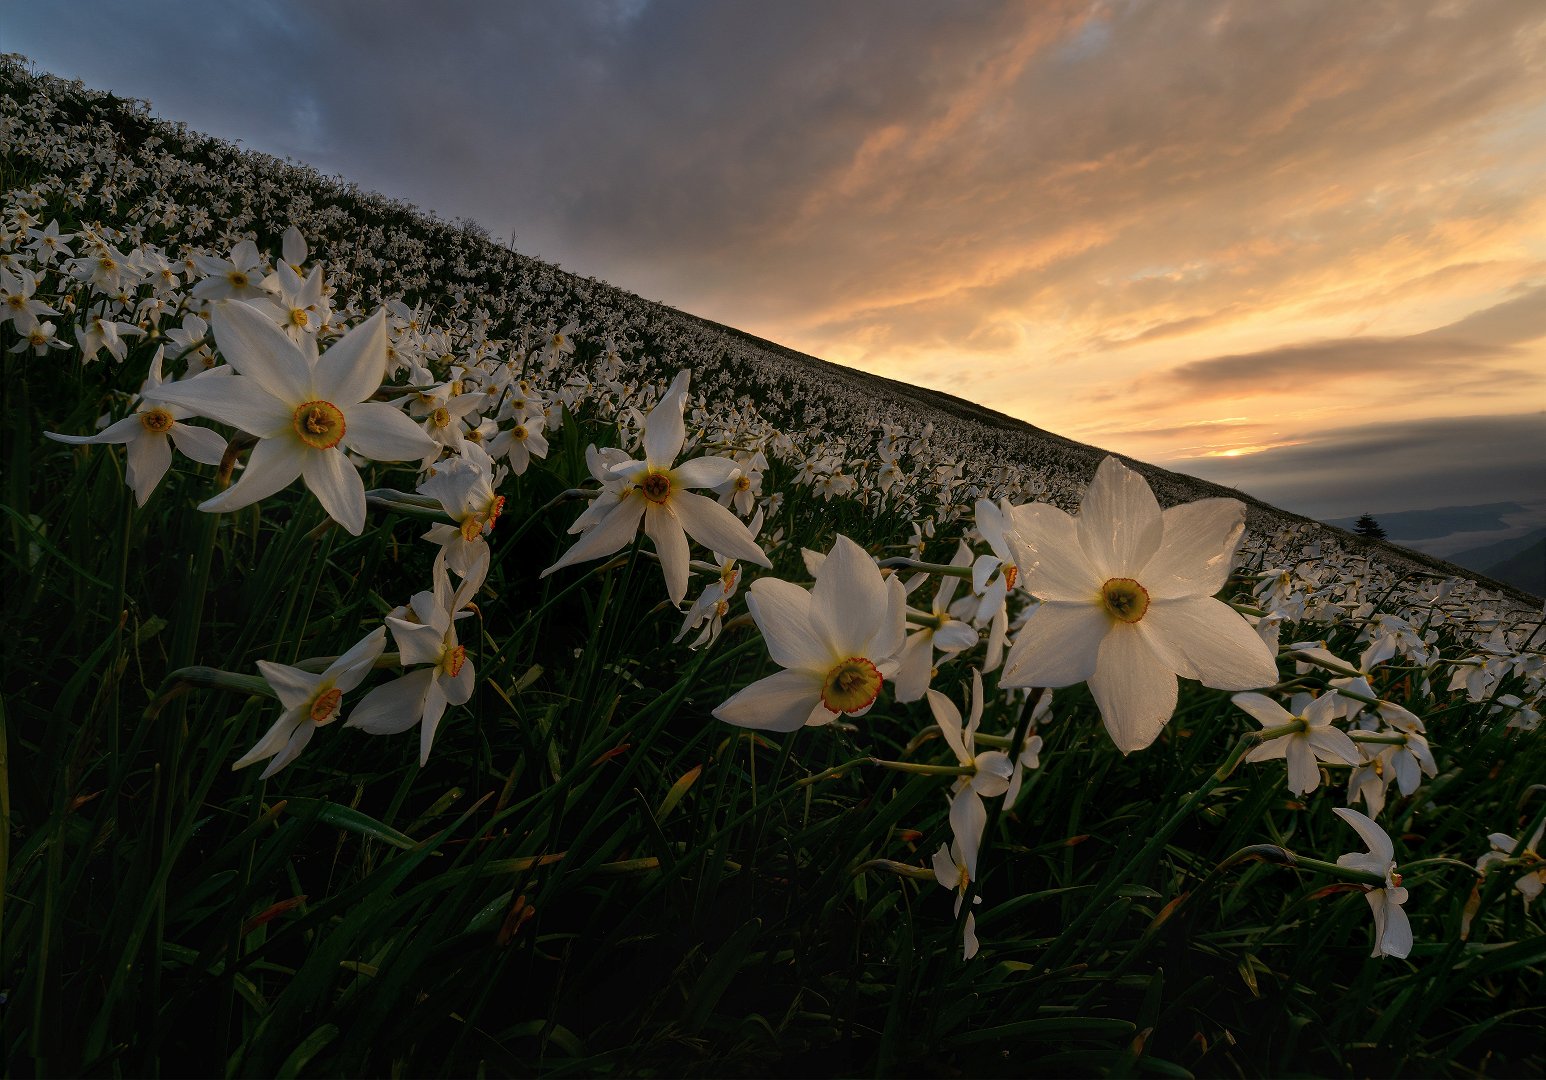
[310, 701]
[305, 416]
[148, 434]
[1318, 741]
[990, 775]
[1128, 604]
[1392, 929]
[943, 633]
[656, 492]
[1505, 847]
[955, 870]
[426, 636]
[837, 643]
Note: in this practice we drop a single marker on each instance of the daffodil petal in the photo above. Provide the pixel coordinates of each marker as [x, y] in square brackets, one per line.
[256, 348]
[1058, 646]
[291, 750]
[1134, 689]
[665, 532]
[350, 669]
[948, 717]
[1381, 850]
[782, 611]
[1205, 639]
[715, 527]
[848, 597]
[199, 443]
[273, 739]
[1197, 550]
[376, 430]
[1263, 709]
[237, 400]
[393, 707]
[353, 368]
[665, 431]
[1119, 522]
[337, 486]
[613, 531]
[1304, 775]
[704, 472]
[780, 702]
[272, 466]
[1045, 544]
[148, 459]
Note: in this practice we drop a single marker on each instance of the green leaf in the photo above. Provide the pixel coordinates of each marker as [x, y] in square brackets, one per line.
[715, 979]
[1048, 1028]
[343, 817]
[309, 1048]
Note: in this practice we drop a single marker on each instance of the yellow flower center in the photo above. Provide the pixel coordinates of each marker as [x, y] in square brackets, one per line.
[729, 574]
[1124, 599]
[441, 417]
[452, 659]
[325, 705]
[656, 487]
[518, 433]
[237, 278]
[157, 420]
[851, 686]
[1011, 573]
[743, 482]
[299, 317]
[319, 424]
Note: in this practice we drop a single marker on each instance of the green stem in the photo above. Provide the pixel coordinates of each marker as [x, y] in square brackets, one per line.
[902, 562]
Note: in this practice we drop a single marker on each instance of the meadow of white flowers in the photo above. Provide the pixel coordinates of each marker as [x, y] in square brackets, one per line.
[290, 340]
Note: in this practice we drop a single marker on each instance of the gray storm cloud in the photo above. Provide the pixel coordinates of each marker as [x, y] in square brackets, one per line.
[1408, 465]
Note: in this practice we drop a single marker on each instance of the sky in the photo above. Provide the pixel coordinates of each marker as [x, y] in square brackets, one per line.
[1298, 248]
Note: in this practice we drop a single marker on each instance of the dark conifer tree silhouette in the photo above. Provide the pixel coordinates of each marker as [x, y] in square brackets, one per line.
[1367, 526]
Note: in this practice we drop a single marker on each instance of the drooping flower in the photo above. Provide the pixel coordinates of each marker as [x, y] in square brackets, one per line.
[426, 635]
[940, 631]
[310, 701]
[837, 643]
[1505, 848]
[713, 604]
[305, 416]
[1392, 929]
[955, 870]
[990, 771]
[1128, 604]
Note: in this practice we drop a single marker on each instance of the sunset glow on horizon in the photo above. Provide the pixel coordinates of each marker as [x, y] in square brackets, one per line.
[1224, 238]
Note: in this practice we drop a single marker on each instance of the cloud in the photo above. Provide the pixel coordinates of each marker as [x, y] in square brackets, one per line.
[1295, 368]
[1487, 334]
[1382, 468]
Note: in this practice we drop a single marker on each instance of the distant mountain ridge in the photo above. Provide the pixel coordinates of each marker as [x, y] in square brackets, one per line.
[1524, 569]
[1440, 521]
